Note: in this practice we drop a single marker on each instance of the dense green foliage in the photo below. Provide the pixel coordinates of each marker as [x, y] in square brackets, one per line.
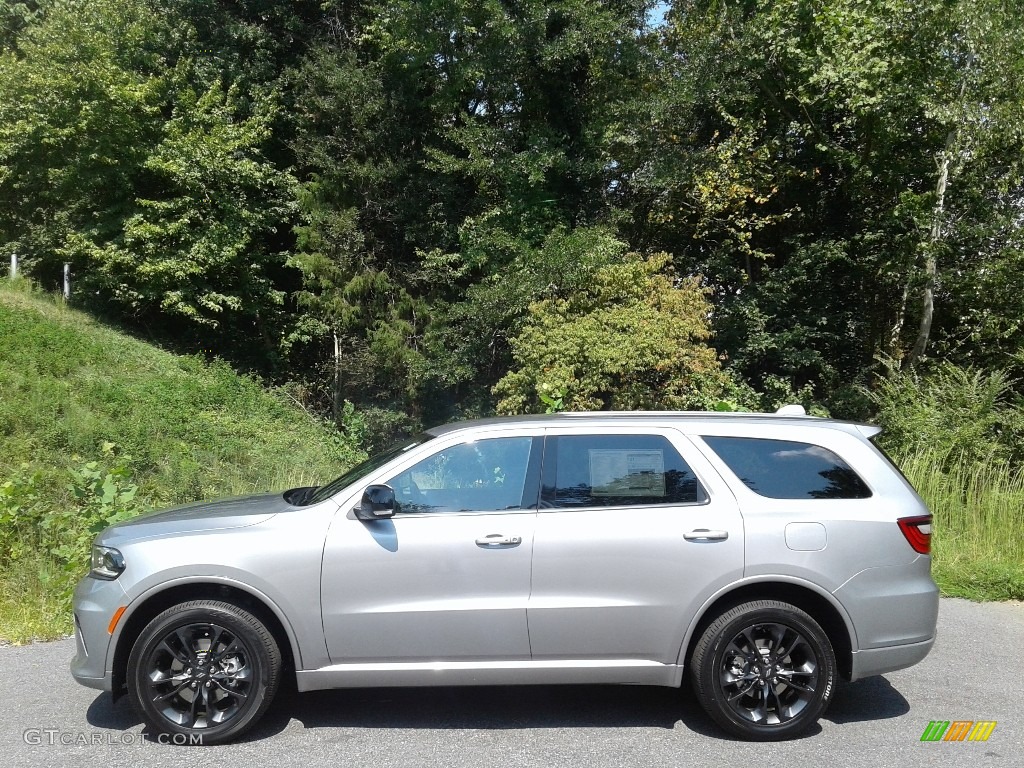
[957, 433]
[408, 211]
[143, 142]
[367, 198]
[957, 416]
[631, 340]
[831, 168]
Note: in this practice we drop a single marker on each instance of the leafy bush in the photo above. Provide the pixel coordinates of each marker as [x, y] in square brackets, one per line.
[634, 338]
[104, 493]
[21, 509]
[48, 542]
[951, 413]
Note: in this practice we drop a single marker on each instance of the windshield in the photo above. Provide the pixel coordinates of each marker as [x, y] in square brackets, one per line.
[366, 467]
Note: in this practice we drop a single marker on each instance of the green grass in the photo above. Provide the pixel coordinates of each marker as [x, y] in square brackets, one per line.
[33, 602]
[978, 536]
[193, 430]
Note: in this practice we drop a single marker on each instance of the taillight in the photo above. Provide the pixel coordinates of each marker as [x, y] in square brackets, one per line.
[918, 531]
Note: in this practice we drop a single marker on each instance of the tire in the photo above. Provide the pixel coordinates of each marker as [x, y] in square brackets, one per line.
[203, 672]
[764, 670]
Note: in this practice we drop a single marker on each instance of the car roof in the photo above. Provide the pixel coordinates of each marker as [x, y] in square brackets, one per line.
[655, 418]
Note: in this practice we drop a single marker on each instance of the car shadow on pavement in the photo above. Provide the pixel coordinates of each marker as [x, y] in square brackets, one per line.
[104, 712]
[512, 707]
[498, 707]
[107, 714]
[872, 698]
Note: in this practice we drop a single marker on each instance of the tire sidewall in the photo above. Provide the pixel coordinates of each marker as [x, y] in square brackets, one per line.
[166, 623]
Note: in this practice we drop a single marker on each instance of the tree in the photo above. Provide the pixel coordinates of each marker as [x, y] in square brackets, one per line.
[635, 339]
[454, 164]
[193, 246]
[141, 142]
[79, 110]
[14, 17]
[798, 163]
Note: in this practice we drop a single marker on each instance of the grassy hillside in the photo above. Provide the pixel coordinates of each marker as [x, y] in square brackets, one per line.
[94, 423]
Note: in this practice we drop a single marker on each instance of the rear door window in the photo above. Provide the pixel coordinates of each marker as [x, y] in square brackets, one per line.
[785, 469]
[616, 471]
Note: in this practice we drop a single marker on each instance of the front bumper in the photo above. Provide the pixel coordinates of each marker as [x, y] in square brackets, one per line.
[95, 603]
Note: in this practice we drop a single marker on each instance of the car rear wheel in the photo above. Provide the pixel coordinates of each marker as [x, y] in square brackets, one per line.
[203, 672]
[764, 670]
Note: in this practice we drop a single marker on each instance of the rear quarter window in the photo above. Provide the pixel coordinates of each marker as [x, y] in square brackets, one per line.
[786, 469]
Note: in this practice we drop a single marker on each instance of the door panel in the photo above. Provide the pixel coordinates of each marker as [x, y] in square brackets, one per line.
[448, 578]
[421, 588]
[624, 581]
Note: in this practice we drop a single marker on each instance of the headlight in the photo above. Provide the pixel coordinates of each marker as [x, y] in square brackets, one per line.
[107, 563]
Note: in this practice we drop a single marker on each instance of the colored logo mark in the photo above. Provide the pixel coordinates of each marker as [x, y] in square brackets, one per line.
[958, 730]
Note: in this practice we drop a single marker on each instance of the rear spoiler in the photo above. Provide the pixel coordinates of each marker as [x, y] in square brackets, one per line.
[868, 430]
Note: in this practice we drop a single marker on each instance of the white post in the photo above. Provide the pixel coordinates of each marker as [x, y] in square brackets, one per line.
[67, 282]
[14, 265]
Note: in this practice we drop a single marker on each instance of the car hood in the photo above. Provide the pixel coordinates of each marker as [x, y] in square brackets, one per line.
[200, 516]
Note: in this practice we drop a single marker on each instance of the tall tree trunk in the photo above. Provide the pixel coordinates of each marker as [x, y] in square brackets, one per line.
[935, 232]
[930, 264]
[894, 350]
[337, 404]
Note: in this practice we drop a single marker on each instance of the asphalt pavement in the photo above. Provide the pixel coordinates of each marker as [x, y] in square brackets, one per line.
[49, 720]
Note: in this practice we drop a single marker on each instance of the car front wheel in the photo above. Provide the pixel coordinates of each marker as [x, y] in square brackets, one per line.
[203, 672]
[764, 670]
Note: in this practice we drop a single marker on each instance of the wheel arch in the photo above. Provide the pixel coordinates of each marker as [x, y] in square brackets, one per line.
[157, 601]
[821, 606]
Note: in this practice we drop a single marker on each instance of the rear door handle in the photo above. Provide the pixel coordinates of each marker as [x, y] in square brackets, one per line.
[495, 540]
[703, 534]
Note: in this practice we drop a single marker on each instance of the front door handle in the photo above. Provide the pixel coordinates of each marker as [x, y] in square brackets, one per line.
[495, 540]
[703, 534]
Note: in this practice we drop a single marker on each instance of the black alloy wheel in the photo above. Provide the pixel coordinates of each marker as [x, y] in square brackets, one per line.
[203, 672]
[764, 670]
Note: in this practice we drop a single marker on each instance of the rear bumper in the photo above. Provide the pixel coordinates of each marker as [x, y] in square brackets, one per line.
[878, 661]
[895, 610]
[892, 605]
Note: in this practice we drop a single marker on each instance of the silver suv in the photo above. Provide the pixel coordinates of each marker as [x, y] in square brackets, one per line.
[762, 555]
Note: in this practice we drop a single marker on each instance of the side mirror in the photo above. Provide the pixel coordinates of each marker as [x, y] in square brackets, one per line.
[378, 503]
